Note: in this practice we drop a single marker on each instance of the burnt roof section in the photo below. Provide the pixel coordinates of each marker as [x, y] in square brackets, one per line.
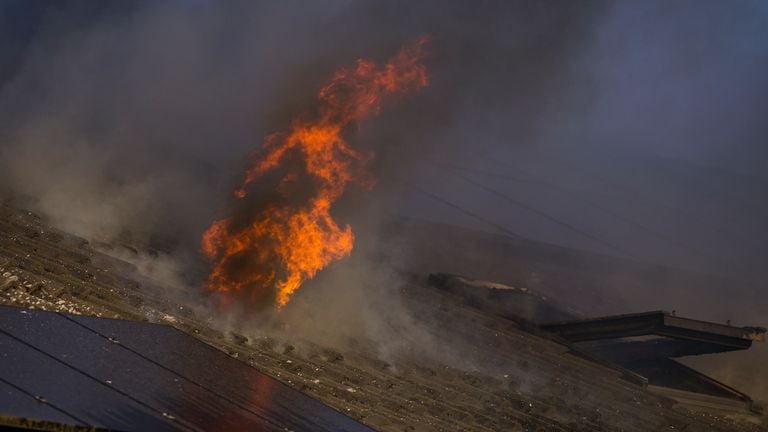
[515, 303]
[126, 375]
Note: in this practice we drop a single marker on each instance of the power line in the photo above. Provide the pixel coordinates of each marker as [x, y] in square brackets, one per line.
[586, 200]
[542, 214]
[731, 261]
[454, 206]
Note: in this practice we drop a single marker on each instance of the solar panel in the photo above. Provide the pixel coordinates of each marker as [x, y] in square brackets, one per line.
[129, 375]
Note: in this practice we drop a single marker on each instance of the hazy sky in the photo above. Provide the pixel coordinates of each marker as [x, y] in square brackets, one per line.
[628, 128]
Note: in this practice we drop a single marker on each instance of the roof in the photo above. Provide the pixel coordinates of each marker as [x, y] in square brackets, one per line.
[454, 368]
[127, 375]
[659, 323]
[645, 343]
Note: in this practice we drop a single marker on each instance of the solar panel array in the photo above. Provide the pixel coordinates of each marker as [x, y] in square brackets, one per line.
[127, 375]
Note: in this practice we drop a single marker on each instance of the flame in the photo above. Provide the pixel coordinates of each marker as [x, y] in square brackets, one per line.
[292, 236]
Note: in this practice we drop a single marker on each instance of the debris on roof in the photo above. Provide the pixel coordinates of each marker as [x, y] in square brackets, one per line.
[503, 300]
[493, 373]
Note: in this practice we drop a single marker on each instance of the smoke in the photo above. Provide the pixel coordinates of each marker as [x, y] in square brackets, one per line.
[633, 130]
[131, 123]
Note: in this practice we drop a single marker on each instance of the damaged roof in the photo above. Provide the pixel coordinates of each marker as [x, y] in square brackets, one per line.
[494, 374]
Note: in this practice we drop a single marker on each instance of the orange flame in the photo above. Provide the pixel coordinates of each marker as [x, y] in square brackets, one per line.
[286, 243]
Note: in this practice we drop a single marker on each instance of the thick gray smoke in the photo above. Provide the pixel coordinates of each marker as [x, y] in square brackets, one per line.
[629, 129]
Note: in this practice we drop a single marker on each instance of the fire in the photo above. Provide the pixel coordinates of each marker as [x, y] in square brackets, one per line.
[291, 235]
